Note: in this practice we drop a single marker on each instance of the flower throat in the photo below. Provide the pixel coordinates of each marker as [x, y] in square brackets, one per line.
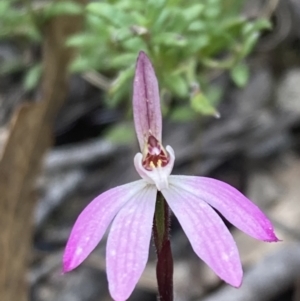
[154, 154]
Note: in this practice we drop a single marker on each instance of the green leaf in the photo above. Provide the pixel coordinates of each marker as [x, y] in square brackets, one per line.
[122, 34]
[258, 25]
[176, 84]
[139, 18]
[202, 105]
[4, 7]
[32, 77]
[234, 24]
[111, 13]
[161, 20]
[240, 75]
[81, 40]
[197, 43]
[123, 60]
[193, 12]
[170, 39]
[134, 44]
[197, 26]
[249, 44]
[212, 12]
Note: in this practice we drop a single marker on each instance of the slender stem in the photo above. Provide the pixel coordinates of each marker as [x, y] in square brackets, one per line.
[164, 267]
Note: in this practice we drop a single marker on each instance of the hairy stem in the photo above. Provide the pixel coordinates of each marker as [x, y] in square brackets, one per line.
[164, 267]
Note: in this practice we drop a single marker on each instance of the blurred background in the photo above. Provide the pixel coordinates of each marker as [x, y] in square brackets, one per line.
[234, 59]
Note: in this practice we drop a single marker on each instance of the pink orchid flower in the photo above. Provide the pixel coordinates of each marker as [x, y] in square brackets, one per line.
[131, 207]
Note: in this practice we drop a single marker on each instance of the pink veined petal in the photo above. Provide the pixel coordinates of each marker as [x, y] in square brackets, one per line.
[93, 221]
[128, 243]
[208, 235]
[232, 204]
[146, 101]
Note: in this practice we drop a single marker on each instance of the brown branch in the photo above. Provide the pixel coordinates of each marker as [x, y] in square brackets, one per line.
[29, 138]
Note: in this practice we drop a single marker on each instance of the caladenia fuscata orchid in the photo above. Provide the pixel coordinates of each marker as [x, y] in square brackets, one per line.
[139, 208]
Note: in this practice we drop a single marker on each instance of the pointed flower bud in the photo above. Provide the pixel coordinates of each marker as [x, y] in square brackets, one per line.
[154, 163]
[146, 102]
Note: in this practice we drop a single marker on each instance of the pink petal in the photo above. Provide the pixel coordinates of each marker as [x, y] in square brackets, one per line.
[146, 101]
[128, 243]
[208, 235]
[232, 204]
[93, 221]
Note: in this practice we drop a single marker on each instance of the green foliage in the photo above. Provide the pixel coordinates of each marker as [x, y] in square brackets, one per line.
[22, 21]
[240, 74]
[16, 21]
[185, 40]
[202, 105]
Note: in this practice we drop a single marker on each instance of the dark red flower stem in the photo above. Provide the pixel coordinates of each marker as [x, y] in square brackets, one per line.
[164, 267]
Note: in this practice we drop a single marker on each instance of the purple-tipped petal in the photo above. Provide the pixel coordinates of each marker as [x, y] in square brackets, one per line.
[232, 204]
[146, 101]
[128, 243]
[93, 221]
[208, 235]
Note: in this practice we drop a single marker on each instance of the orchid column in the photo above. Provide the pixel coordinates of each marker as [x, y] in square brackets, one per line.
[131, 209]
